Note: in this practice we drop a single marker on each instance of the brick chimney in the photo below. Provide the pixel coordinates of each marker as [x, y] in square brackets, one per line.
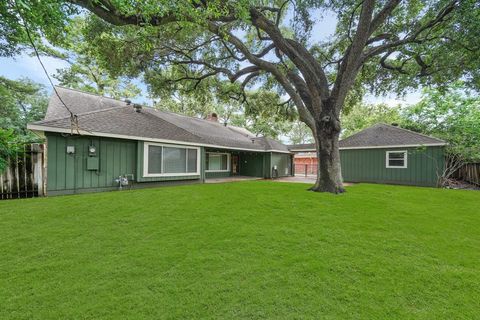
[212, 117]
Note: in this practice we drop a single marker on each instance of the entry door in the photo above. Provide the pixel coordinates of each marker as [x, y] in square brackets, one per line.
[235, 164]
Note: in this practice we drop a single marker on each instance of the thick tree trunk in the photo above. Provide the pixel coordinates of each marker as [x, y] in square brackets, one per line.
[329, 173]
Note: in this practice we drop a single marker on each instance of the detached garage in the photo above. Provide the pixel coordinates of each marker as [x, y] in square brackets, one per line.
[389, 154]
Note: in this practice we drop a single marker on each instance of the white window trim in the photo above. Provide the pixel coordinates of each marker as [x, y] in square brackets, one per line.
[183, 174]
[405, 159]
[220, 153]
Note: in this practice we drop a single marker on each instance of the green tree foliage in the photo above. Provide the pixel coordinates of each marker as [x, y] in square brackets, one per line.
[45, 19]
[299, 133]
[260, 111]
[452, 115]
[8, 147]
[23, 101]
[365, 115]
[83, 72]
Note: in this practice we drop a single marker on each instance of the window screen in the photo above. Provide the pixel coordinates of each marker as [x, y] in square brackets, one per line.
[192, 160]
[174, 160]
[162, 159]
[224, 165]
[397, 159]
[154, 159]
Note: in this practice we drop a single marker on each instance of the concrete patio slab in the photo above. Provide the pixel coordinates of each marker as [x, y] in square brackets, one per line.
[231, 179]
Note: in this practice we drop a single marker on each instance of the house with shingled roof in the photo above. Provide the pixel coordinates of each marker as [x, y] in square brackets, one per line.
[382, 153]
[96, 143]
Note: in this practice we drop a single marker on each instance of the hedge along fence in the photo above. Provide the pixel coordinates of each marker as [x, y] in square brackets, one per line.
[24, 176]
[469, 172]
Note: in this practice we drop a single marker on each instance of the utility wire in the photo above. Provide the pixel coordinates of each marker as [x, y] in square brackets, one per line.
[73, 117]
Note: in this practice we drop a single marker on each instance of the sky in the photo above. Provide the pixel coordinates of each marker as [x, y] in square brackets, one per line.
[28, 66]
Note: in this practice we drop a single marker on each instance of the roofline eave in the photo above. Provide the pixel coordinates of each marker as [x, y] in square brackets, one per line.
[40, 128]
[434, 144]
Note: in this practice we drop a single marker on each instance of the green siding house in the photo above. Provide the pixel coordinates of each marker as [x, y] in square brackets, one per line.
[106, 144]
[388, 154]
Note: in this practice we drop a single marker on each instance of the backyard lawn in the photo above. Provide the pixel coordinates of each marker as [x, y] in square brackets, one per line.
[244, 250]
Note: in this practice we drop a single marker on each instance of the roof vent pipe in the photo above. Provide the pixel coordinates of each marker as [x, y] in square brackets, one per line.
[137, 107]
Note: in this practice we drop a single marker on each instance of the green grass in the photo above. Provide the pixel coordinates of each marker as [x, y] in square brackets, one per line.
[247, 250]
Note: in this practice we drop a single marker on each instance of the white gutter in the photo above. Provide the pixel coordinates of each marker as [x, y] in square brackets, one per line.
[41, 128]
[303, 150]
[397, 146]
[438, 144]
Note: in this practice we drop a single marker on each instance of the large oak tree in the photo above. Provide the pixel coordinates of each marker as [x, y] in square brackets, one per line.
[383, 45]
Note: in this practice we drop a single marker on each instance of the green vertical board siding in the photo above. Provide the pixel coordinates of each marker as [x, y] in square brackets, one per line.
[223, 174]
[267, 165]
[218, 174]
[251, 164]
[369, 165]
[283, 163]
[68, 172]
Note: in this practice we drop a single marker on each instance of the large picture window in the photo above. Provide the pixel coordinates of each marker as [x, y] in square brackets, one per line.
[169, 160]
[218, 162]
[396, 159]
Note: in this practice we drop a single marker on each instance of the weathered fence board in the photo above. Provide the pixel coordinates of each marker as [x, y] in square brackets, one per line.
[24, 177]
[469, 172]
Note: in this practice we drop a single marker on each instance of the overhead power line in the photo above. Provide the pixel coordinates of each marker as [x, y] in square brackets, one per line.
[73, 117]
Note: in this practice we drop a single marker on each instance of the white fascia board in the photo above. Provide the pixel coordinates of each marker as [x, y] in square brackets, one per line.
[303, 150]
[439, 144]
[41, 128]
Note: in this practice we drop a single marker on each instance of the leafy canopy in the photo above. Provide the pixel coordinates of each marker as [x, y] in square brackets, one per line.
[8, 147]
[452, 115]
[250, 43]
[214, 51]
[365, 115]
[23, 101]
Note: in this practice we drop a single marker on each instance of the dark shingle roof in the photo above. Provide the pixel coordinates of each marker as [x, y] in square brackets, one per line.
[271, 144]
[78, 102]
[379, 135]
[382, 134]
[97, 114]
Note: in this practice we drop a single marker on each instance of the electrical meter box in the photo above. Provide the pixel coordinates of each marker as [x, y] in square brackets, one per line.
[92, 163]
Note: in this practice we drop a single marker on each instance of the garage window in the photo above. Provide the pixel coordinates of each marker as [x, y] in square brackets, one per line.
[396, 159]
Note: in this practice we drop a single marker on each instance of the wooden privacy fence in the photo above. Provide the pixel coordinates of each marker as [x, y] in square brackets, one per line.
[469, 172]
[24, 177]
